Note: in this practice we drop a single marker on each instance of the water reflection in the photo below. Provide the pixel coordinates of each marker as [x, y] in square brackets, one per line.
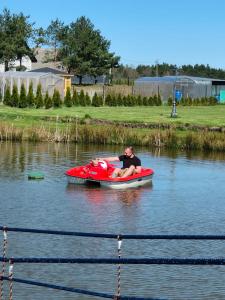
[97, 194]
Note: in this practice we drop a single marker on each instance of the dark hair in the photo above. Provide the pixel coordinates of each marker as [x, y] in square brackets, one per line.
[131, 148]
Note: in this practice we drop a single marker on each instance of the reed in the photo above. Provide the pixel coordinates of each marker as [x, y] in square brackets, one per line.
[116, 135]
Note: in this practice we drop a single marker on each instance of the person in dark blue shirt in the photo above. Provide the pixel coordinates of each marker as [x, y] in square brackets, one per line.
[131, 163]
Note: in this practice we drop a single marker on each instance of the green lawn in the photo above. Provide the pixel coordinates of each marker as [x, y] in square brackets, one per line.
[200, 115]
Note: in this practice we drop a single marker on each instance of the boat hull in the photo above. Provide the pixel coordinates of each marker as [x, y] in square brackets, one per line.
[112, 184]
[97, 175]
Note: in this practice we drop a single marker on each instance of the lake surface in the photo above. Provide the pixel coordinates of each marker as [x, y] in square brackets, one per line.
[187, 196]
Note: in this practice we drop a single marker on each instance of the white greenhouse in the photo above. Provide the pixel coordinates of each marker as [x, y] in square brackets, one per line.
[48, 81]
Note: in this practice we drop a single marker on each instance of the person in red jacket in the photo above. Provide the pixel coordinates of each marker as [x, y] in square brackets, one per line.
[131, 163]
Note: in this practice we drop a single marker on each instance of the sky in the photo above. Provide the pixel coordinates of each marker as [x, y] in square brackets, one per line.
[144, 31]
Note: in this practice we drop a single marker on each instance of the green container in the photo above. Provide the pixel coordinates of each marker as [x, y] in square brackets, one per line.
[222, 96]
[36, 175]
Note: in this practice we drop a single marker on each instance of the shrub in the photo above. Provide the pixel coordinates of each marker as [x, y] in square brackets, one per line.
[108, 100]
[75, 98]
[39, 99]
[56, 99]
[87, 100]
[30, 95]
[23, 97]
[139, 100]
[82, 98]
[170, 101]
[96, 100]
[7, 96]
[68, 99]
[47, 101]
[15, 96]
[118, 100]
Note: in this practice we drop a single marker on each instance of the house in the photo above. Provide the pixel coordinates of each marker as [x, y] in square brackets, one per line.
[66, 77]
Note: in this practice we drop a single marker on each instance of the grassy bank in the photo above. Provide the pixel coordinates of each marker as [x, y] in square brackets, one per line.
[47, 125]
[115, 135]
[203, 116]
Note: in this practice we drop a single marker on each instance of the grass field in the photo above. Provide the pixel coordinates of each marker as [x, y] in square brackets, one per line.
[200, 115]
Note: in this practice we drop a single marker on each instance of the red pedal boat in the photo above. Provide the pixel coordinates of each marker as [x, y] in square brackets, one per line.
[101, 173]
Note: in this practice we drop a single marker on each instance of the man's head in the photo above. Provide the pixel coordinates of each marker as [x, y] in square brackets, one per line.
[129, 151]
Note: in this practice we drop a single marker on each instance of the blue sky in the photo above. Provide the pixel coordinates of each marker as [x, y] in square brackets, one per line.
[141, 32]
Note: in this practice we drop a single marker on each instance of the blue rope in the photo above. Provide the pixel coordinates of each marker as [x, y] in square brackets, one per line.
[124, 261]
[115, 236]
[74, 290]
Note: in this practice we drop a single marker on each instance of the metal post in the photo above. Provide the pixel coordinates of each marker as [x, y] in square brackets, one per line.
[174, 108]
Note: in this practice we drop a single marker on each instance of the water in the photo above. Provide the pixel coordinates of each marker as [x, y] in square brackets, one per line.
[187, 197]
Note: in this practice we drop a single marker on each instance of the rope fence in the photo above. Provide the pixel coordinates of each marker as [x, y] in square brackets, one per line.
[119, 261]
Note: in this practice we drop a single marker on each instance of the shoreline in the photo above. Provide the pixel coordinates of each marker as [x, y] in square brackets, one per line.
[114, 134]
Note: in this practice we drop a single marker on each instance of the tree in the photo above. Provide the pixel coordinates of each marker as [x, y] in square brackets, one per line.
[84, 50]
[7, 96]
[23, 97]
[82, 98]
[54, 36]
[75, 98]
[30, 95]
[15, 96]
[67, 100]
[0, 95]
[47, 101]
[15, 35]
[95, 100]
[56, 99]
[7, 38]
[87, 100]
[39, 98]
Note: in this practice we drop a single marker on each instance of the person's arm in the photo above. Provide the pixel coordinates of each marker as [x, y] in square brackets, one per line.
[113, 158]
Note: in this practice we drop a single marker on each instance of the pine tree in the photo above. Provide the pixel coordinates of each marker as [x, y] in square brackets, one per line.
[39, 98]
[100, 101]
[170, 101]
[139, 100]
[47, 101]
[108, 100]
[118, 101]
[30, 95]
[15, 96]
[0, 95]
[82, 98]
[7, 96]
[159, 102]
[145, 101]
[68, 99]
[95, 100]
[56, 99]
[155, 100]
[75, 98]
[87, 100]
[23, 97]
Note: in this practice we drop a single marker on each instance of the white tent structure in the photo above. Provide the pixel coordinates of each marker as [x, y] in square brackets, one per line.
[48, 81]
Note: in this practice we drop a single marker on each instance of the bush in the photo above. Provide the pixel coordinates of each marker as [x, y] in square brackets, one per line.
[87, 100]
[56, 99]
[7, 96]
[47, 101]
[139, 100]
[15, 96]
[30, 96]
[68, 100]
[75, 98]
[39, 99]
[96, 100]
[170, 101]
[82, 98]
[108, 100]
[23, 97]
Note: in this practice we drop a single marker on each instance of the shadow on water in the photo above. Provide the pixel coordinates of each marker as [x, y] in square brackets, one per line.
[97, 194]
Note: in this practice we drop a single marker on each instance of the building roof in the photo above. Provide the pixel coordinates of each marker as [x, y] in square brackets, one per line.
[178, 78]
[51, 70]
